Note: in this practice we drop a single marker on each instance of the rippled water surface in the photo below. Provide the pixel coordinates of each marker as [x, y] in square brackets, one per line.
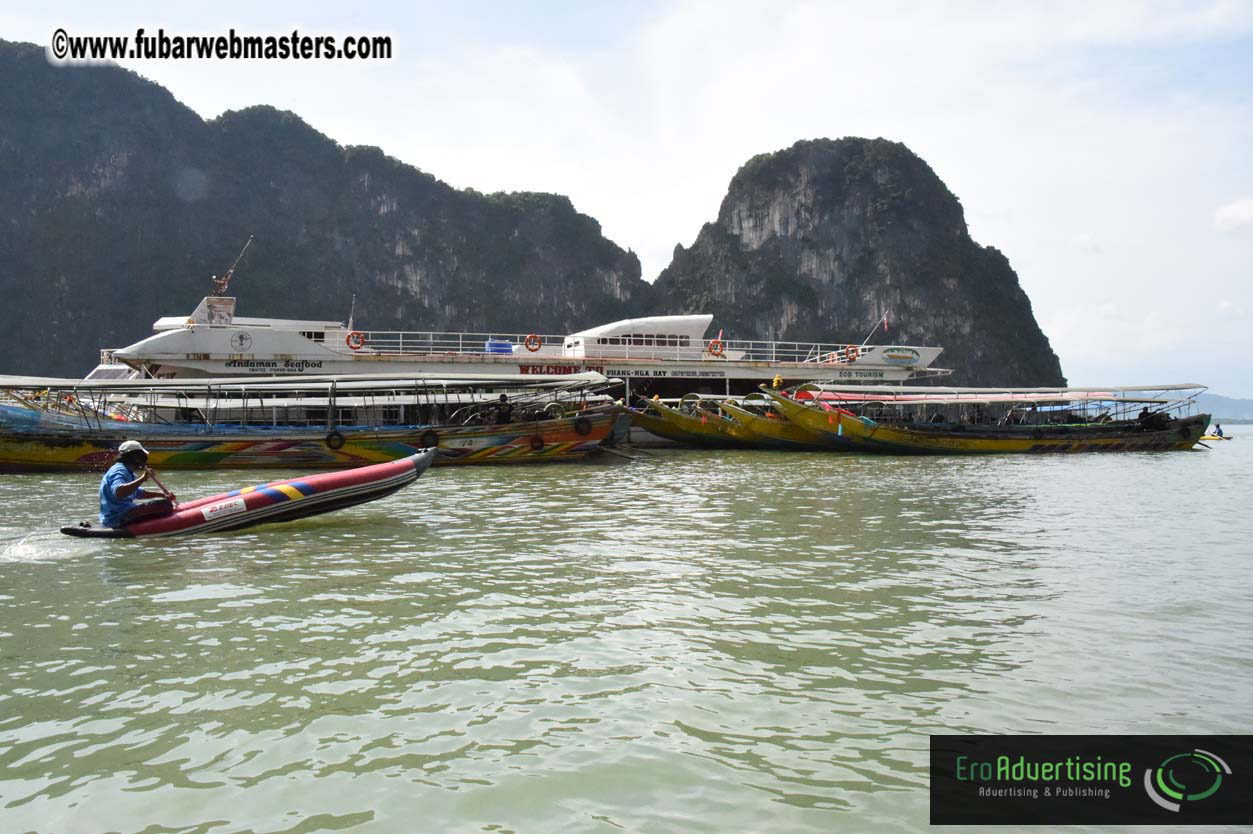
[695, 642]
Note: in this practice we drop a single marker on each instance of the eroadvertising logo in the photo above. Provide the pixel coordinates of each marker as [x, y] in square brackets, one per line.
[1192, 776]
[1064, 780]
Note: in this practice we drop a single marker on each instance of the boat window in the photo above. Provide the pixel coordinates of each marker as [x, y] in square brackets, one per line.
[685, 341]
[637, 339]
[672, 341]
[314, 335]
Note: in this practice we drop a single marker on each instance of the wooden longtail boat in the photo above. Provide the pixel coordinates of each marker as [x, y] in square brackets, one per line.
[1151, 431]
[567, 438]
[693, 423]
[201, 425]
[770, 430]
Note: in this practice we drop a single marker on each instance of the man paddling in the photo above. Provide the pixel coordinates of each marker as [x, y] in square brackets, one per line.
[121, 499]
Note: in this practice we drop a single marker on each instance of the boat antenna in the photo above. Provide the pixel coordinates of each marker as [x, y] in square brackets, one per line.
[352, 309]
[220, 284]
[882, 321]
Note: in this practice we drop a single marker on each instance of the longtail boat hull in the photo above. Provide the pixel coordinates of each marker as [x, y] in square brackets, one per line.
[710, 431]
[866, 435]
[32, 448]
[779, 433]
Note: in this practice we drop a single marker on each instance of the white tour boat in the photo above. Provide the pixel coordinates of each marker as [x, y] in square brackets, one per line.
[658, 354]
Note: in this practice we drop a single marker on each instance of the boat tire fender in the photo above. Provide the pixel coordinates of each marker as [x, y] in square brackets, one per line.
[335, 441]
[532, 343]
[430, 440]
[537, 443]
[355, 340]
[583, 426]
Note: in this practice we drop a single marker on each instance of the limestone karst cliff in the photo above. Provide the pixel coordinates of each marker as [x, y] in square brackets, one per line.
[819, 241]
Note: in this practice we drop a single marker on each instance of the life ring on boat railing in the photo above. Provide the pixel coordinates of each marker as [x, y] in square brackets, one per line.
[355, 340]
[851, 353]
[583, 426]
[537, 443]
[335, 441]
[430, 440]
[532, 342]
[716, 347]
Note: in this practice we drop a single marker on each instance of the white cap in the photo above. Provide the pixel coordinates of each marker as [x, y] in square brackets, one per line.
[131, 446]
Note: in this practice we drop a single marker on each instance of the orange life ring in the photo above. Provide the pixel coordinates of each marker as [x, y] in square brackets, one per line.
[716, 347]
[851, 353]
[532, 343]
[355, 340]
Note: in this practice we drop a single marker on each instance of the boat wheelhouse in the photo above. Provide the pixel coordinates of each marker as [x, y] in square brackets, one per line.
[670, 355]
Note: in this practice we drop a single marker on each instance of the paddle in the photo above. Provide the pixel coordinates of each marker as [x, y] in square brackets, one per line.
[164, 489]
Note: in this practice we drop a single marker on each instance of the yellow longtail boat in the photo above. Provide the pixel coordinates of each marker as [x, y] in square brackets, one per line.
[760, 424]
[1048, 425]
[695, 422]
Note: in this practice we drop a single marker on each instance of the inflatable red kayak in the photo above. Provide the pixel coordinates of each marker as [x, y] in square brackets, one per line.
[277, 501]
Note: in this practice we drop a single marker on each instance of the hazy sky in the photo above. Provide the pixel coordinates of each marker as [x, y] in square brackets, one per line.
[1106, 148]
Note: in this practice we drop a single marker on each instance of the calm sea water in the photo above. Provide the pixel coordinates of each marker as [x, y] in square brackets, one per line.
[695, 642]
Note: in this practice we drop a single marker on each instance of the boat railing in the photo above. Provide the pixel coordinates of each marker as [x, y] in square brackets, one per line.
[644, 346]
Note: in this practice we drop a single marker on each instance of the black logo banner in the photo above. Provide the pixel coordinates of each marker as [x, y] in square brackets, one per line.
[1065, 780]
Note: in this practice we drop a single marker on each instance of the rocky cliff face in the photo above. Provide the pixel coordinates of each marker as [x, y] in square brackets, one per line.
[819, 241]
[118, 202]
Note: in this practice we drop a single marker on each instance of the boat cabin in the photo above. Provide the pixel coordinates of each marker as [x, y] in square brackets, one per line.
[654, 337]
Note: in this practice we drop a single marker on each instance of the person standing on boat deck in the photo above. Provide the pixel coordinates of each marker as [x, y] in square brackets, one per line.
[504, 411]
[121, 499]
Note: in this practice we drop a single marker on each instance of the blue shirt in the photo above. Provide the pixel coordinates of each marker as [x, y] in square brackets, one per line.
[112, 508]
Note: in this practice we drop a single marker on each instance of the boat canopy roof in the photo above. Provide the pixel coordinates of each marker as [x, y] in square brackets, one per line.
[948, 389]
[693, 326]
[341, 382]
[942, 394]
